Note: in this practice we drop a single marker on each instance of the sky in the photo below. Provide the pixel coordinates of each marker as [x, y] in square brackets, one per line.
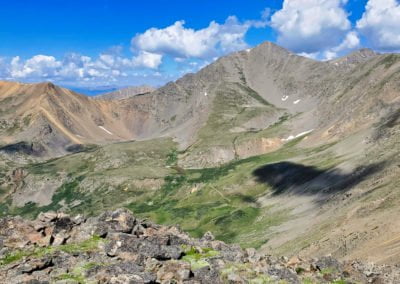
[94, 45]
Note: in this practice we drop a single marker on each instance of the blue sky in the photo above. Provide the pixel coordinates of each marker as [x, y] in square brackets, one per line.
[115, 43]
[90, 27]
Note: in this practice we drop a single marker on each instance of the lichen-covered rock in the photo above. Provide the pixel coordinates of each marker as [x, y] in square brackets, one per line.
[120, 220]
[173, 271]
[118, 248]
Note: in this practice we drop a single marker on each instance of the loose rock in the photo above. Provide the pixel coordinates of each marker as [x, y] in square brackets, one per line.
[117, 247]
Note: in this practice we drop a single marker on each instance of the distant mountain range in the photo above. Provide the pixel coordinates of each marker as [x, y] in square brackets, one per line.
[228, 100]
[263, 147]
[89, 91]
[126, 92]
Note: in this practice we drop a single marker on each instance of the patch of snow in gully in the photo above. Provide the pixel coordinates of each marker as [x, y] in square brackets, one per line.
[109, 132]
[291, 137]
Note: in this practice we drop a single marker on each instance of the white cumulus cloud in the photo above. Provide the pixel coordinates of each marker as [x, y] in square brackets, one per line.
[39, 65]
[178, 41]
[147, 59]
[309, 26]
[380, 24]
[77, 69]
[350, 41]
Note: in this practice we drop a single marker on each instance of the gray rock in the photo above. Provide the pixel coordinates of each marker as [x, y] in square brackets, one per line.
[283, 273]
[328, 263]
[120, 220]
[207, 275]
[47, 216]
[133, 251]
[154, 248]
[208, 236]
[36, 264]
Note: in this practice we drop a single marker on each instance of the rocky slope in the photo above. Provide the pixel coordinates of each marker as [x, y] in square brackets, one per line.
[264, 148]
[214, 113]
[117, 247]
[126, 93]
[44, 120]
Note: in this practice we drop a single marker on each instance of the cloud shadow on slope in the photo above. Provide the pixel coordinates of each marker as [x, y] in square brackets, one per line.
[288, 177]
[27, 148]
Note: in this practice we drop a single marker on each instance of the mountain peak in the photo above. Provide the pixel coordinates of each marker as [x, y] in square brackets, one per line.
[272, 47]
[355, 57]
[46, 83]
[47, 88]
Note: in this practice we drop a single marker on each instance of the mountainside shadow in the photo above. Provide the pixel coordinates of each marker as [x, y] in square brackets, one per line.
[288, 177]
[27, 148]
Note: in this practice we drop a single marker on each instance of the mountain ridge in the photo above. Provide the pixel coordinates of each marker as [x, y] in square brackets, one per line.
[126, 92]
[264, 148]
[180, 109]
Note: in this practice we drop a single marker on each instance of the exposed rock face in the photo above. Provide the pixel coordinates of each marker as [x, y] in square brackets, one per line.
[257, 146]
[238, 93]
[116, 247]
[43, 120]
[354, 58]
[244, 104]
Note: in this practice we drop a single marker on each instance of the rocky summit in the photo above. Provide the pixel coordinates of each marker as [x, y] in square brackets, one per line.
[117, 247]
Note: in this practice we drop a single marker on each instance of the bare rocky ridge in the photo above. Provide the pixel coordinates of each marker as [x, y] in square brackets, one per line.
[354, 58]
[125, 93]
[50, 120]
[262, 146]
[116, 247]
[239, 93]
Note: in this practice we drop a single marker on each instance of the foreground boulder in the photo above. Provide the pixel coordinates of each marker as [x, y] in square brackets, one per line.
[116, 248]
